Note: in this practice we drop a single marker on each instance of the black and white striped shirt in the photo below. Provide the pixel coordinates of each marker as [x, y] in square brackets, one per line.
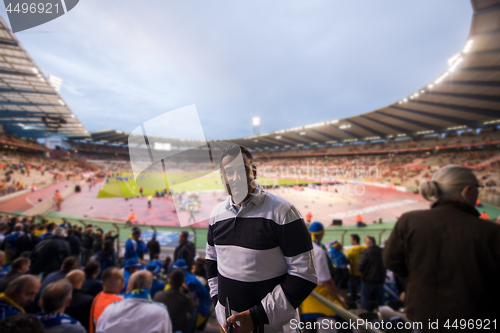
[260, 256]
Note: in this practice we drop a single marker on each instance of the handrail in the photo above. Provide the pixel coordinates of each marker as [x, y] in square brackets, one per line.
[346, 315]
[380, 236]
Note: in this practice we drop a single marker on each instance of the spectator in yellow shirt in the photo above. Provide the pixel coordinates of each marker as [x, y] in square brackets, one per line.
[353, 256]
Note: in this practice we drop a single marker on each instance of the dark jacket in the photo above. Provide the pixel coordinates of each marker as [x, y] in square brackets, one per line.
[48, 255]
[153, 247]
[26, 242]
[178, 304]
[92, 286]
[185, 251]
[371, 267]
[75, 245]
[451, 258]
[79, 308]
[97, 246]
[11, 275]
[87, 241]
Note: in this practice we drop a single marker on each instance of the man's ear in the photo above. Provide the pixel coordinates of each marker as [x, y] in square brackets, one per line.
[68, 302]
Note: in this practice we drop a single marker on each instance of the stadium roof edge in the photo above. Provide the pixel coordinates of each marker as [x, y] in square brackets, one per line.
[30, 106]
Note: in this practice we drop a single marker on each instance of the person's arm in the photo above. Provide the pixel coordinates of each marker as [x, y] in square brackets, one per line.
[393, 254]
[212, 272]
[295, 243]
[332, 290]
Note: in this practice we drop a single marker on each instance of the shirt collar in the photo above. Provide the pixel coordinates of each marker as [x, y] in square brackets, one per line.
[256, 198]
[460, 205]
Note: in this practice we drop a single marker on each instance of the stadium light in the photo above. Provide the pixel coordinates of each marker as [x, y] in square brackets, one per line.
[452, 60]
[468, 46]
[256, 121]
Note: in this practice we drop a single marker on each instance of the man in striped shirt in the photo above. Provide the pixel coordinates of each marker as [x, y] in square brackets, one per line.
[259, 252]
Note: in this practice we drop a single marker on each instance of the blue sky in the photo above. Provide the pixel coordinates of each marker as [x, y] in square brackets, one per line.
[289, 62]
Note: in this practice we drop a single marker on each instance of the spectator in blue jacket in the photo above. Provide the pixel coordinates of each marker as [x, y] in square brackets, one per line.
[339, 260]
[9, 244]
[154, 268]
[131, 266]
[106, 257]
[135, 246]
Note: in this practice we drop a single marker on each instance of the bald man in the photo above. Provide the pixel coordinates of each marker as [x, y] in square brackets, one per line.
[142, 314]
[113, 282]
[80, 305]
[19, 293]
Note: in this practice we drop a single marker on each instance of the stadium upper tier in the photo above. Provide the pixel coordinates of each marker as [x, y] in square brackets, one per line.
[466, 95]
[29, 104]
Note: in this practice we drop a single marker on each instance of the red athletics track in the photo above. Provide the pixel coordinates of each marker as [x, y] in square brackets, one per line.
[28, 200]
[350, 200]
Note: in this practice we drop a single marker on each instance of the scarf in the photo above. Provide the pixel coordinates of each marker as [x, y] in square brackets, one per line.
[7, 300]
[314, 234]
[54, 319]
[138, 293]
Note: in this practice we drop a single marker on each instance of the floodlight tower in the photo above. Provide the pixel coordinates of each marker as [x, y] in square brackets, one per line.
[256, 125]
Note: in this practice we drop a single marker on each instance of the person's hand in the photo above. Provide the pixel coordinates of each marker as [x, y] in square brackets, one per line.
[245, 319]
[342, 302]
[184, 287]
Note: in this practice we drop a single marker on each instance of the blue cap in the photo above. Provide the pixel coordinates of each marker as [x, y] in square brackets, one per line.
[153, 267]
[334, 243]
[316, 227]
[180, 264]
[134, 262]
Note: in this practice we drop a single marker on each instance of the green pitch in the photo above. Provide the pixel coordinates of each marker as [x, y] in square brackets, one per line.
[178, 182]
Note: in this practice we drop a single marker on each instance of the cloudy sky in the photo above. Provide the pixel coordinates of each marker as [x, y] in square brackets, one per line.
[289, 62]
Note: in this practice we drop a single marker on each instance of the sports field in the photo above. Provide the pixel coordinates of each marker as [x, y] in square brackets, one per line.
[126, 186]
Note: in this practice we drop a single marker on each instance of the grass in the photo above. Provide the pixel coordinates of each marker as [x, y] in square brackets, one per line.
[178, 182]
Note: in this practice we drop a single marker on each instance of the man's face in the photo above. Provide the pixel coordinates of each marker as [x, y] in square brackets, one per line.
[137, 234]
[239, 179]
[353, 241]
[2, 258]
[27, 295]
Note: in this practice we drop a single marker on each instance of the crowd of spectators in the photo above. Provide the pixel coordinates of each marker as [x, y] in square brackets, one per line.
[72, 280]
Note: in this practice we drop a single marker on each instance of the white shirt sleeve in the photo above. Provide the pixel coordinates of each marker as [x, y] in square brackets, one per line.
[321, 264]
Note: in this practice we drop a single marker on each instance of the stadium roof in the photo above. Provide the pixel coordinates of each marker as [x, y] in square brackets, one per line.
[466, 95]
[29, 105]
